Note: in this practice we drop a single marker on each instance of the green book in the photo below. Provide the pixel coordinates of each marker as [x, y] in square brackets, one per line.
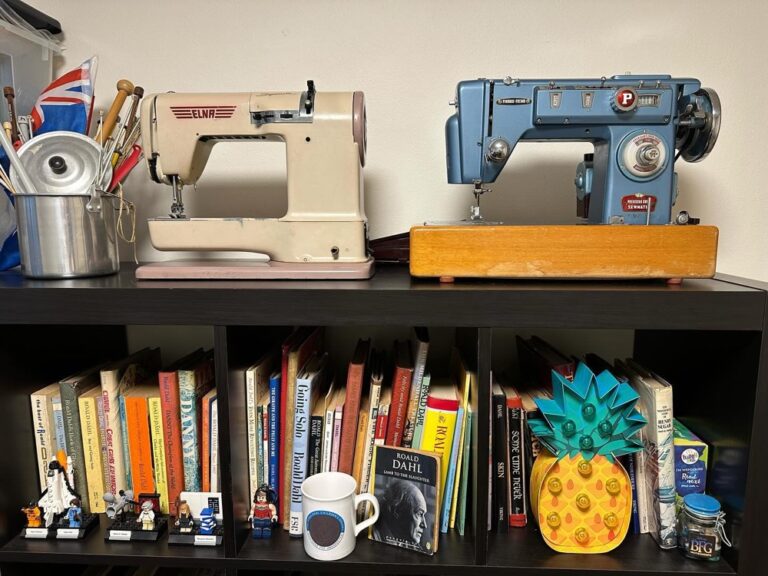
[461, 513]
[71, 389]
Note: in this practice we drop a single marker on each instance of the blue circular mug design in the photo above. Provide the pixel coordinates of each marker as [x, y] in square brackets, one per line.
[325, 529]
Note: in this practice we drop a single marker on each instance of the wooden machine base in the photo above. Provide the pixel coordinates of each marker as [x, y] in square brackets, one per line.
[253, 270]
[565, 252]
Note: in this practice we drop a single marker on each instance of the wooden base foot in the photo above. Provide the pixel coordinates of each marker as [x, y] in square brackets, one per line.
[674, 281]
[447, 279]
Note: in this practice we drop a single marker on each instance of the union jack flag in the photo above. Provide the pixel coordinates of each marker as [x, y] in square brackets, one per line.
[67, 102]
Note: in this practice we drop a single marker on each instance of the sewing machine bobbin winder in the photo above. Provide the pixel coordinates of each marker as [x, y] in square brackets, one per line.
[625, 190]
[324, 231]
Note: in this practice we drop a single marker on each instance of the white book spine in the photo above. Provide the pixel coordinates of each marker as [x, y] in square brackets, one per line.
[664, 493]
[327, 440]
[250, 413]
[299, 461]
[215, 445]
[373, 412]
[265, 442]
[42, 417]
[419, 352]
[640, 483]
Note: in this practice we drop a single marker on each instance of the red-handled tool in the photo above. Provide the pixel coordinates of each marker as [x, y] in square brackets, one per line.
[126, 166]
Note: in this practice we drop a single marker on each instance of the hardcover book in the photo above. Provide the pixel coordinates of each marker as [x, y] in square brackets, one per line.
[89, 427]
[401, 386]
[139, 437]
[356, 374]
[439, 426]
[44, 426]
[154, 406]
[406, 483]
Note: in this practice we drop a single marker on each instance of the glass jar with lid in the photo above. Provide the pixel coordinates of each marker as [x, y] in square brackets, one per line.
[701, 527]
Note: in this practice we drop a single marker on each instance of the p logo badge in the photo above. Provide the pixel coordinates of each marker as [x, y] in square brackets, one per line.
[625, 100]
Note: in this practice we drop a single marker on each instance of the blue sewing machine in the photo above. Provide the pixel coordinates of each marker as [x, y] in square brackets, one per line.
[639, 126]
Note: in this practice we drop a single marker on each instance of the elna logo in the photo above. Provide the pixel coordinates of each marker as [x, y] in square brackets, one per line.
[199, 112]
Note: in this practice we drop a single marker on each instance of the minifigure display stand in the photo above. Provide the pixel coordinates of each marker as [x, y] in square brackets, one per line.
[62, 531]
[127, 531]
[193, 538]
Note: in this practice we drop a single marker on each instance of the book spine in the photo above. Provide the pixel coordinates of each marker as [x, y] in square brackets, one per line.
[642, 492]
[337, 419]
[283, 457]
[357, 465]
[274, 427]
[498, 447]
[629, 464]
[103, 440]
[518, 513]
[215, 484]
[414, 396]
[315, 443]
[158, 451]
[461, 513]
[44, 434]
[265, 441]
[174, 463]
[259, 445]
[399, 407]
[94, 474]
[251, 423]
[327, 449]
[205, 452]
[189, 432]
[370, 437]
[71, 411]
[113, 433]
[349, 422]
[458, 465]
[300, 447]
[139, 444]
[381, 426]
[58, 424]
[451, 480]
[126, 480]
[663, 438]
[421, 411]
[439, 428]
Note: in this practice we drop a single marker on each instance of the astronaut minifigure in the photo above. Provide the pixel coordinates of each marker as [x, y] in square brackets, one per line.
[75, 513]
[147, 516]
[34, 515]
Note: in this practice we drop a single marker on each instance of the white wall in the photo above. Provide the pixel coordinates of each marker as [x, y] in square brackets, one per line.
[407, 56]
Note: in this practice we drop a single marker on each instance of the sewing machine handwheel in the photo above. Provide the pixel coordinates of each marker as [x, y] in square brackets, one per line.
[359, 132]
[696, 143]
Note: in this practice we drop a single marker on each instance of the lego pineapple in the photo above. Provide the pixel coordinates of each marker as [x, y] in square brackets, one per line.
[580, 494]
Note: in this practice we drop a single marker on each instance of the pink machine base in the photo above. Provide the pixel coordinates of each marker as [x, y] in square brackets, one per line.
[253, 270]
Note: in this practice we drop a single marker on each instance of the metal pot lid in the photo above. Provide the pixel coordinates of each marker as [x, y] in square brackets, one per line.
[61, 163]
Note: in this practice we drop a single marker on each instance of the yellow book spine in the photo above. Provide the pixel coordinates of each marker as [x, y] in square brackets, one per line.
[94, 471]
[465, 401]
[437, 437]
[158, 451]
[360, 445]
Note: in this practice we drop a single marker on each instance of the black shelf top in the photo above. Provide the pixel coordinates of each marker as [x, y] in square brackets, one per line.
[524, 549]
[455, 555]
[391, 297]
[94, 550]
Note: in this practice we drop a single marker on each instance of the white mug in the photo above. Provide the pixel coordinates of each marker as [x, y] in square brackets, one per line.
[329, 508]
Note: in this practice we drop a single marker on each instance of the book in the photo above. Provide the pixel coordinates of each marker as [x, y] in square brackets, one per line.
[215, 481]
[537, 360]
[691, 456]
[102, 440]
[401, 386]
[194, 383]
[356, 373]
[94, 468]
[316, 438]
[309, 382]
[205, 452]
[419, 351]
[139, 437]
[307, 341]
[374, 397]
[45, 428]
[168, 381]
[628, 461]
[516, 470]
[332, 399]
[115, 379]
[160, 467]
[265, 441]
[406, 483]
[439, 426]
[274, 429]
[422, 409]
[58, 424]
[259, 445]
[126, 459]
[451, 480]
[71, 389]
[464, 489]
[257, 391]
[362, 429]
[500, 455]
[338, 416]
[464, 378]
[656, 405]
[382, 417]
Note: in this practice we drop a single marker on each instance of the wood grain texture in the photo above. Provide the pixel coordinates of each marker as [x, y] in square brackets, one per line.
[578, 251]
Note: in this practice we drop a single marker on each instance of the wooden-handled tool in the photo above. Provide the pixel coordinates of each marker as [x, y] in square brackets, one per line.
[9, 96]
[124, 89]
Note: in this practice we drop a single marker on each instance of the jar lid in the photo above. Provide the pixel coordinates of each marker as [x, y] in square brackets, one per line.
[702, 504]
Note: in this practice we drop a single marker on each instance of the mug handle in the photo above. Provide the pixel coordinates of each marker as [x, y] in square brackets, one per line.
[372, 520]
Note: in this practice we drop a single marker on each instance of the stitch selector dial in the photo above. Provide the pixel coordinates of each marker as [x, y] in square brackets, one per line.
[642, 155]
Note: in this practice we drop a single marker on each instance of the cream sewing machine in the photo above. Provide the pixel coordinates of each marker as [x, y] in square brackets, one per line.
[324, 231]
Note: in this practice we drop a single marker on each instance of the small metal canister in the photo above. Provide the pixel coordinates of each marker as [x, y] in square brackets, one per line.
[67, 229]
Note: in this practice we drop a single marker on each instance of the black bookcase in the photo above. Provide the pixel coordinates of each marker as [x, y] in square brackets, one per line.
[706, 336]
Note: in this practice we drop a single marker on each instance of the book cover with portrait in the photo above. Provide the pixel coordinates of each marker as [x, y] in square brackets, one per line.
[406, 483]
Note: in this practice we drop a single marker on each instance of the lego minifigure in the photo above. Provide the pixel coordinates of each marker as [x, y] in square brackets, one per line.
[34, 515]
[75, 513]
[184, 520]
[264, 513]
[147, 516]
[207, 522]
[117, 507]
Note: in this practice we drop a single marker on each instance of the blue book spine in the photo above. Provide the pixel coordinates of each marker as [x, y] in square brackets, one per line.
[189, 444]
[274, 427]
[126, 449]
[299, 461]
[448, 492]
[58, 420]
[630, 464]
[260, 441]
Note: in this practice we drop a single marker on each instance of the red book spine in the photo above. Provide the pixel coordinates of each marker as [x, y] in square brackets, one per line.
[398, 410]
[349, 417]
[380, 431]
[174, 465]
